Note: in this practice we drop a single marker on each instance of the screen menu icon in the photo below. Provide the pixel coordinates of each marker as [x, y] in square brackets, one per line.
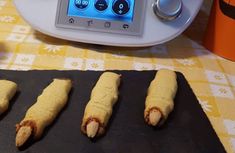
[81, 4]
[89, 23]
[101, 5]
[121, 7]
[107, 24]
[71, 20]
[125, 26]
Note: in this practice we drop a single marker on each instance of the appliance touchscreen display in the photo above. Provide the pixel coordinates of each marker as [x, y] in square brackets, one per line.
[112, 10]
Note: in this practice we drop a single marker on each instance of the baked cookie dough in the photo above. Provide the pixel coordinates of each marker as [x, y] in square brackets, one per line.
[7, 91]
[160, 98]
[99, 109]
[44, 111]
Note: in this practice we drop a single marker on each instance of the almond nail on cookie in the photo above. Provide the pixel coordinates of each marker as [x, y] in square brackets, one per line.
[52, 100]
[160, 97]
[100, 106]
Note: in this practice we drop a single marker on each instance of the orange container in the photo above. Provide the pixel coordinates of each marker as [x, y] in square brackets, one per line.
[220, 34]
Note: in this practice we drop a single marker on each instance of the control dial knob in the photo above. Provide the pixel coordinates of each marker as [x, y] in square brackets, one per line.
[167, 9]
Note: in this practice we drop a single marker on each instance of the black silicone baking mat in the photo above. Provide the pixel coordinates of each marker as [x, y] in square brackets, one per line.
[187, 129]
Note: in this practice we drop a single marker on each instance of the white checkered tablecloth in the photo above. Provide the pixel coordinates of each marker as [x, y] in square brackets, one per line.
[212, 78]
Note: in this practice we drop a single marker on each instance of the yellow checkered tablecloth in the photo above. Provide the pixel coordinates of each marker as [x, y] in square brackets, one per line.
[211, 77]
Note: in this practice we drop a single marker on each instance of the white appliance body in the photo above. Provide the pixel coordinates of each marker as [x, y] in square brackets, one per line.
[44, 16]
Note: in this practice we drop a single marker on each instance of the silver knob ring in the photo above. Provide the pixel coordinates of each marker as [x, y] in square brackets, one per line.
[167, 15]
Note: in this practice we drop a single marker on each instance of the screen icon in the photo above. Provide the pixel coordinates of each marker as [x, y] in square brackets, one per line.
[107, 24]
[81, 4]
[121, 7]
[101, 5]
[89, 23]
[125, 26]
[71, 20]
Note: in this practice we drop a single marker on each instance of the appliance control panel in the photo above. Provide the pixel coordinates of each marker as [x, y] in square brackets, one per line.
[129, 23]
[113, 16]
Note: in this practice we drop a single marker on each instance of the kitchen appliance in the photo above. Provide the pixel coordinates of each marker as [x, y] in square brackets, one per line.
[110, 22]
